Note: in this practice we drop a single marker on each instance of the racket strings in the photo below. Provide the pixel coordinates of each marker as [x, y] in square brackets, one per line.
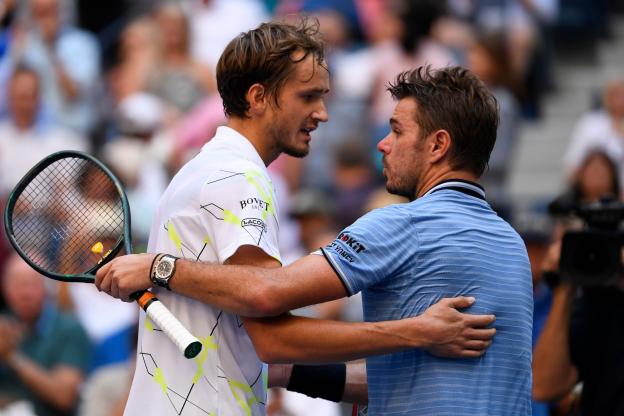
[68, 216]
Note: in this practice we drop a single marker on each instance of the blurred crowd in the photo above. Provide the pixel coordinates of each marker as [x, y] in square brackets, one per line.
[133, 82]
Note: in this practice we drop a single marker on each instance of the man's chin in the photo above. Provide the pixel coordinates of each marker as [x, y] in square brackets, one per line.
[400, 192]
[299, 153]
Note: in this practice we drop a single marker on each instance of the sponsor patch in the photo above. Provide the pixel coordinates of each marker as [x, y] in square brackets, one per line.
[255, 227]
[255, 203]
[341, 252]
[254, 222]
[351, 242]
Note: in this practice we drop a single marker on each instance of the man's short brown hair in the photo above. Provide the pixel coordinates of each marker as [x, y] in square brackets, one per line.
[265, 56]
[455, 100]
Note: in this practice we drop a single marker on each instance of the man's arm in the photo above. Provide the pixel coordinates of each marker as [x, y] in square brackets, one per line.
[245, 290]
[293, 339]
[441, 330]
[554, 374]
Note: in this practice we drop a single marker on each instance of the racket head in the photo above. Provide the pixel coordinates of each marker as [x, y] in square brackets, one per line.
[68, 216]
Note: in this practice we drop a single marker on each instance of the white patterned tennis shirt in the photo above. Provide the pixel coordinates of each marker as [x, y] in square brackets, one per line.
[220, 200]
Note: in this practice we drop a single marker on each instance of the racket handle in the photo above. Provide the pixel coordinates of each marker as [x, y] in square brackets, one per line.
[164, 319]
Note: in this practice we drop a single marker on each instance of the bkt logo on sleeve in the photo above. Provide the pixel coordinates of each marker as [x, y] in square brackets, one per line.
[351, 242]
[255, 203]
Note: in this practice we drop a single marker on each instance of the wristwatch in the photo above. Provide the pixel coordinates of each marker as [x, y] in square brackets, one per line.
[162, 270]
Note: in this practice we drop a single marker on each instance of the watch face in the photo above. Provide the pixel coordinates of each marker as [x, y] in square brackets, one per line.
[164, 269]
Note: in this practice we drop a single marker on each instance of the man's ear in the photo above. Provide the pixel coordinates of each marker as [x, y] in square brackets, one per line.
[257, 98]
[439, 145]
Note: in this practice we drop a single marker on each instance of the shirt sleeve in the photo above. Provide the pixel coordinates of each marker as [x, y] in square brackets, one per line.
[371, 250]
[238, 210]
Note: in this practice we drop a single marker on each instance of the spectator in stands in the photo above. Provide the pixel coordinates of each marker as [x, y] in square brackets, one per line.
[354, 181]
[139, 156]
[179, 79]
[43, 352]
[25, 137]
[409, 46]
[348, 103]
[215, 22]
[597, 178]
[138, 54]
[602, 129]
[314, 212]
[488, 58]
[583, 336]
[67, 60]
[526, 24]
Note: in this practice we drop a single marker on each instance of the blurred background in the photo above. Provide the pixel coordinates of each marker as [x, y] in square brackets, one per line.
[133, 82]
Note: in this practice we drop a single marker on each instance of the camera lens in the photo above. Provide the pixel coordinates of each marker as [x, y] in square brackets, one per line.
[590, 258]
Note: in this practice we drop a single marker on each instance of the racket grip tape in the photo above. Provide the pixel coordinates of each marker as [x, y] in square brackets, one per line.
[164, 319]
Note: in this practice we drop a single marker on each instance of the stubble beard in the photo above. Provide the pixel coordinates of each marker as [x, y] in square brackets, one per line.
[281, 140]
[405, 187]
[401, 191]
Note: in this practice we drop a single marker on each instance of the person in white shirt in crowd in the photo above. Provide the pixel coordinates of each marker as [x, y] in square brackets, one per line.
[26, 136]
[67, 60]
[599, 130]
[215, 22]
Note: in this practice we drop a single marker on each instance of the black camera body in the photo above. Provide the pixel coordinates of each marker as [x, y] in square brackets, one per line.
[593, 256]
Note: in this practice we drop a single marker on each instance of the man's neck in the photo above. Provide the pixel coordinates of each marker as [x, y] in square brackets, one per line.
[444, 175]
[256, 137]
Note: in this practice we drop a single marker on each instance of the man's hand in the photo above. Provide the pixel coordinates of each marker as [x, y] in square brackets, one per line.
[125, 275]
[451, 333]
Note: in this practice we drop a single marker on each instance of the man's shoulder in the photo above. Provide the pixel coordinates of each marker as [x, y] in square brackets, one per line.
[218, 155]
[217, 162]
[388, 215]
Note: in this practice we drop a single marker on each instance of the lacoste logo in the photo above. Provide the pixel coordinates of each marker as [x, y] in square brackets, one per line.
[255, 222]
[255, 227]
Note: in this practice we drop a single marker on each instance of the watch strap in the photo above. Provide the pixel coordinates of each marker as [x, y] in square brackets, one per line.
[152, 272]
[155, 263]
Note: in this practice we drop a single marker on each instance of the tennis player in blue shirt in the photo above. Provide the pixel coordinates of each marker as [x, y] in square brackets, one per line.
[446, 242]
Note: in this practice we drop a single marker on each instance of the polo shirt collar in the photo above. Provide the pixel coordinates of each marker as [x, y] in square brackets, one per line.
[467, 187]
[237, 141]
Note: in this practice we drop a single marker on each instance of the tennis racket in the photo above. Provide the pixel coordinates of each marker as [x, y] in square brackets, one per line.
[69, 216]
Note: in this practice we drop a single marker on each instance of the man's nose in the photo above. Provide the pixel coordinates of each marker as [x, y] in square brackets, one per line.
[384, 145]
[321, 114]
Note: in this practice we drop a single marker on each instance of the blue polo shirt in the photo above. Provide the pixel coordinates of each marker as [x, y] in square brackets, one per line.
[404, 258]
